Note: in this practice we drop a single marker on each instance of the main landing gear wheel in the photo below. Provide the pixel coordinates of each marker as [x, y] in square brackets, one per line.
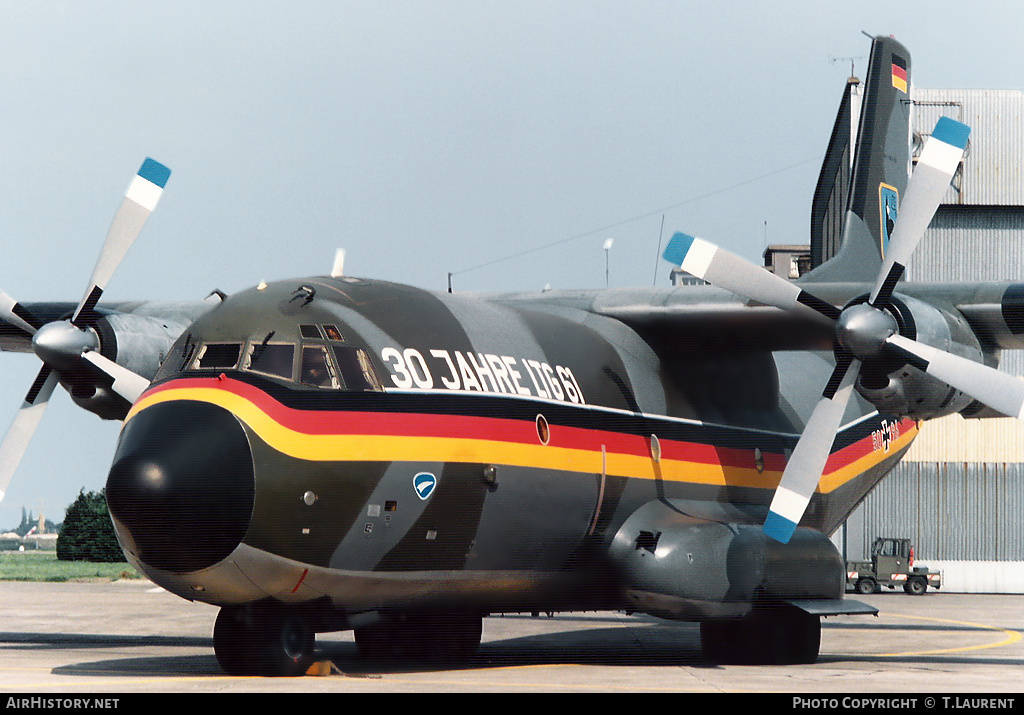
[421, 638]
[776, 635]
[263, 639]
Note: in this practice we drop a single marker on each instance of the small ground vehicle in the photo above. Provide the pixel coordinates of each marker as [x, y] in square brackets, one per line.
[891, 565]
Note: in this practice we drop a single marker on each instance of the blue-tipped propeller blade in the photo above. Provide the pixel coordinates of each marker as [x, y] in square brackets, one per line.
[140, 199]
[937, 165]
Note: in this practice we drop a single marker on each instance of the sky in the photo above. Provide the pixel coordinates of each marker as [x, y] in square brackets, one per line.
[503, 142]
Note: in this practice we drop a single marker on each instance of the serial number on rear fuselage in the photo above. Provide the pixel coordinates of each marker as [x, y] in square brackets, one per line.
[480, 372]
[886, 435]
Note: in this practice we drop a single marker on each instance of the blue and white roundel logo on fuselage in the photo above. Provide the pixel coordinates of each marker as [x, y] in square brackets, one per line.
[424, 484]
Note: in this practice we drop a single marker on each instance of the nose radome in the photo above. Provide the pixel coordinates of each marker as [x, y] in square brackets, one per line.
[181, 487]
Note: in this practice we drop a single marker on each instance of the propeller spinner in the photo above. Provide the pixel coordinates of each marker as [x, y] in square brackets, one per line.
[863, 331]
[62, 345]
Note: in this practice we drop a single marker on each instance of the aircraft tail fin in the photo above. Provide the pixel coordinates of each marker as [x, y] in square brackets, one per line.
[878, 177]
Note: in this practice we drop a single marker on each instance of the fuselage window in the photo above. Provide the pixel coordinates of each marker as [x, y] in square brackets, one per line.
[316, 368]
[271, 359]
[310, 331]
[357, 372]
[333, 333]
[218, 356]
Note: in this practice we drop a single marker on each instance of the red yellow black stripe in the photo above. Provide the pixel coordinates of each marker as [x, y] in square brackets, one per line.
[380, 435]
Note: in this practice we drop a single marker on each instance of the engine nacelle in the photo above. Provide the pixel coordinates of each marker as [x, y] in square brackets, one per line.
[687, 567]
[895, 387]
[137, 342]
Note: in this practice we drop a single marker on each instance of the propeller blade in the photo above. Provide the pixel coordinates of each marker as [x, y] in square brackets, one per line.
[928, 184]
[140, 199]
[998, 390]
[127, 384]
[804, 468]
[15, 313]
[12, 449]
[726, 270]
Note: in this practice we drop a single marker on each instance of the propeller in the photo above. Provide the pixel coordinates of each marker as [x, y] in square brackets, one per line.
[61, 345]
[863, 331]
[16, 314]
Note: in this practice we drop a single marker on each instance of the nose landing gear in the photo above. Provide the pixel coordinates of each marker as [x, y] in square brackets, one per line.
[274, 639]
[263, 639]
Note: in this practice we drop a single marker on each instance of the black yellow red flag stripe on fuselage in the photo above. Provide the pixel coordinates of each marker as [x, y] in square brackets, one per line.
[582, 439]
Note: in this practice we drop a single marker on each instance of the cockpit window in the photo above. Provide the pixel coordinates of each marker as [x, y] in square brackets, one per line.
[271, 359]
[322, 360]
[183, 355]
[356, 369]
[217, 356]
[316, 368]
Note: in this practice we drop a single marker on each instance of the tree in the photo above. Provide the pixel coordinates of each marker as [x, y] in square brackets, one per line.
[88, 533]
[27, 522]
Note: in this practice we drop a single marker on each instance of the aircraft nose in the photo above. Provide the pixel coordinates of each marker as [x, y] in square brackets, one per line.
[181, 487]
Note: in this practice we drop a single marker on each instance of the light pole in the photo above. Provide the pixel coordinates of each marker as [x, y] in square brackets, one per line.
[607, 251]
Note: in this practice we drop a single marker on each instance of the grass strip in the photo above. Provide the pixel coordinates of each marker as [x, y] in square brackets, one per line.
[44, 566]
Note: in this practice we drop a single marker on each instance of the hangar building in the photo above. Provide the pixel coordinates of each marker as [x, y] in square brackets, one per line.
[959, 493]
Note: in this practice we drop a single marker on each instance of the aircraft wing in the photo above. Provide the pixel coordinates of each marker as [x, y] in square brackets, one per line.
[705, 318]
[691, 318]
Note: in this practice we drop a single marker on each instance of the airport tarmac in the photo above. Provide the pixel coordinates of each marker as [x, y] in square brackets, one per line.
[59, 639]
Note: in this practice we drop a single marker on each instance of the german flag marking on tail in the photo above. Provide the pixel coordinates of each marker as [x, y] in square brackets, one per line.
[899, 73]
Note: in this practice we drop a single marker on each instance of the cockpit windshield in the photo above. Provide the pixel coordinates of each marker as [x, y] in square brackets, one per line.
[356, 370]
[217, 355]
[322, 360]
[271, 359]
[317, 370]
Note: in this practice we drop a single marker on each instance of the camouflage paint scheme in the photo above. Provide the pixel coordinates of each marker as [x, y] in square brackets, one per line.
[333, 452]
[465, 386]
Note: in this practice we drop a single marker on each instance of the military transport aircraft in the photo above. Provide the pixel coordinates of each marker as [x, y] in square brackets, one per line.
[333, 453]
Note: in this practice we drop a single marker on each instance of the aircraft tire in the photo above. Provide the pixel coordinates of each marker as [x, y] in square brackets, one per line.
[378, 641]
[781, 635]
[767, 636]
[801, 631]
[455, 637]
[720, 641]
[262, 640]
[399, 638]
[231, 634]
[286, 643]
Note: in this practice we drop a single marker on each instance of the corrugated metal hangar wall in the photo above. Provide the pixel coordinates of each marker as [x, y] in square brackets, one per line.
[959, 493]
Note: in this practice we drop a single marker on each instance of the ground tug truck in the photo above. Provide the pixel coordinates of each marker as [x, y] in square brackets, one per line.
[891, 565]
